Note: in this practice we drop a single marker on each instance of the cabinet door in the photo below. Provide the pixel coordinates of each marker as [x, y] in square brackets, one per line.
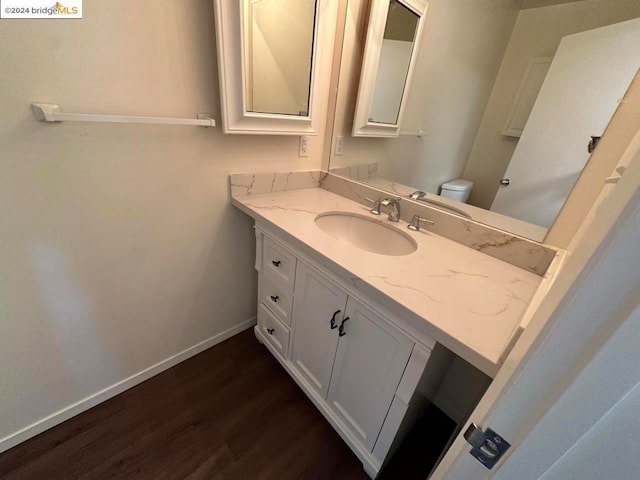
[369, 364]
[316, 301]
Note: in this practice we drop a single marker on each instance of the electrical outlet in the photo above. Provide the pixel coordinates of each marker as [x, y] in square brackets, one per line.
[304, 146]
[339, 145]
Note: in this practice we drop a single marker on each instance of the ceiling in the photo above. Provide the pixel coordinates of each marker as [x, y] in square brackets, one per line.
[541, 3]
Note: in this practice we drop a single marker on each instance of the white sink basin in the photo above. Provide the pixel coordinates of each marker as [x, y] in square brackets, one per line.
[366, 233]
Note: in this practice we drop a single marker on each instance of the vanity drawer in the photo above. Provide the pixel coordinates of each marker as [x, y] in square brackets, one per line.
[278, 264]
[276, 298]
[273, 330]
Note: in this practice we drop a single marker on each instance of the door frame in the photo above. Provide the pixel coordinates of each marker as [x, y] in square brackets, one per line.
[520, 396]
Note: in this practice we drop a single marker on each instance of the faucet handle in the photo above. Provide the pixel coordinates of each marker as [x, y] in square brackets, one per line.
[417, 195]
[376, 205]
[415, 223]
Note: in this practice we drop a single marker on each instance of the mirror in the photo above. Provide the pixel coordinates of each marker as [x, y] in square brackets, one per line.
[391, 77]
[278, 54]
[390, 52]
[467, 77]
[273, 56]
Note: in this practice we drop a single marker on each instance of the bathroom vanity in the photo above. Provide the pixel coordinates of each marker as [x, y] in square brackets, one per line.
[357, 330]
[345, 353]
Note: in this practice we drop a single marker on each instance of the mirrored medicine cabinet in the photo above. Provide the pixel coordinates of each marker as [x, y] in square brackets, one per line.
[271, 55]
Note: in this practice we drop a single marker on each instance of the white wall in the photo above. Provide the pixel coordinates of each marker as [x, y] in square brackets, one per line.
[459, 57]
[118, 245]
[537, 33]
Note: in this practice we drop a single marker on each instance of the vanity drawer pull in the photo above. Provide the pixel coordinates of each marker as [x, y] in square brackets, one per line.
[270, 331]
[341, 331]
[333, 320]
[276, 263]
[274, 298]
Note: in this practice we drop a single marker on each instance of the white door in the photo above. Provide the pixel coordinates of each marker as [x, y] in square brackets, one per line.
[590, 73]
[561, 396]
[370, 361]
[316, 303]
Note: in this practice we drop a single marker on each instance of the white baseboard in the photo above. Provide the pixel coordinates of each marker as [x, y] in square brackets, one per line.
[92, 400]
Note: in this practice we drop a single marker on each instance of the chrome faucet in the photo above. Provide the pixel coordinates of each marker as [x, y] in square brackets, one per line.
[417, 195]
[394, 208]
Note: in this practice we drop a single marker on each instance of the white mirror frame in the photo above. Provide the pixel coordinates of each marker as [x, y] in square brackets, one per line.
[231, 19]
[362, 126]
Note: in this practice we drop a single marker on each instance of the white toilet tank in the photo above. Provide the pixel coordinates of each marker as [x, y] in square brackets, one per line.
[458, 190]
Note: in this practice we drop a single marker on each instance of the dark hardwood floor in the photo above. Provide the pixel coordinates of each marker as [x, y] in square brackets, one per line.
[230, 412]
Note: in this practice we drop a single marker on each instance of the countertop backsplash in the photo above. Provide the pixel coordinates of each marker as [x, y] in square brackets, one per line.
[518, 251]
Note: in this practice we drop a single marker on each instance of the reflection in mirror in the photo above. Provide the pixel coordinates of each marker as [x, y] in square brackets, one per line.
[393, 66]
[393, 33]
[470, 66]
[278, 53]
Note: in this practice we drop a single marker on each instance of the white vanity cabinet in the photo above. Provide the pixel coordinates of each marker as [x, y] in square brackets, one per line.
[276, 267]
[349, 354]
[368, 366]
[356, 364]
[319, 310]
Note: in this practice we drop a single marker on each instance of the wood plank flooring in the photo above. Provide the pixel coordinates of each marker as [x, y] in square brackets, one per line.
[230, 412]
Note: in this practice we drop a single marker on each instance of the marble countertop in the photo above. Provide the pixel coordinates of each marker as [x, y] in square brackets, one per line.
[469, 302]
